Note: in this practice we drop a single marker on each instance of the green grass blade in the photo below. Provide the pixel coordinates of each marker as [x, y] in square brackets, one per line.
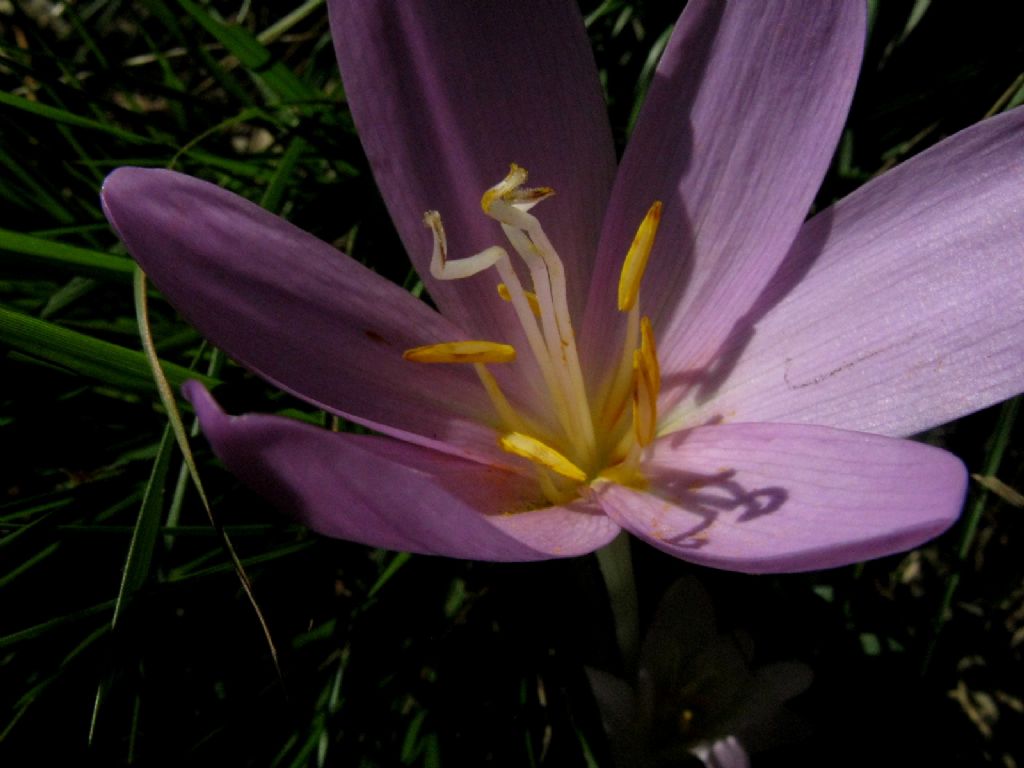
[997, 449]
[68, 118]
[178, 427]
[286, 23]
[35, 191]
[147, 526]
[140, 553]
[225, 79]
[85, 355]
[38, 630]
[392, 568]
[51, 255]
[28, 564]
[274, 194]
[254, 56]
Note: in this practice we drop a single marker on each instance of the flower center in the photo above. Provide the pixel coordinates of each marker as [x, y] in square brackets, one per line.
[595, 435]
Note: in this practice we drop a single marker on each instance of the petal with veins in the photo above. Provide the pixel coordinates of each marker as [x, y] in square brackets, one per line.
[446, 95]
[386, 493]
[296, 311]
[899, 308]
[735, 136]
[766, 498]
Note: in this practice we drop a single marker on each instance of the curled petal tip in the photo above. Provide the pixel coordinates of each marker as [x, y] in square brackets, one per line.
[193, 390]
[206, 407]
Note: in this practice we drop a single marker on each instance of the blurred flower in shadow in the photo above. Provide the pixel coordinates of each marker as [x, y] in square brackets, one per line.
[677, 353]
[696, 695]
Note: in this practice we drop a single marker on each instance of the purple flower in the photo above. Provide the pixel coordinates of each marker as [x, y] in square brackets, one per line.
[750, 422]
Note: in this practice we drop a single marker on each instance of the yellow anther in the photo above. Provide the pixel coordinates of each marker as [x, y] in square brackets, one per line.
[541, 453]
[647, 385]
[462, 352]
[636, 259]
[515, 179]
[649, 353]
[645, 416]
[531, 297]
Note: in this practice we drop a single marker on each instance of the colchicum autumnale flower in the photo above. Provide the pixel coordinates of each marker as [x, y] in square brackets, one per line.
[733, 395]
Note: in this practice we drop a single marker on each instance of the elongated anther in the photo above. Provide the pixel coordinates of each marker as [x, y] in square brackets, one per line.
[636, 259]
[462, 352]
[541, 453]
[646, 386]
[649, 354]
[645, 407]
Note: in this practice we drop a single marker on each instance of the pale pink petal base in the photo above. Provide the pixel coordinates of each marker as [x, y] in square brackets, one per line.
[390, 494]
[768, 498]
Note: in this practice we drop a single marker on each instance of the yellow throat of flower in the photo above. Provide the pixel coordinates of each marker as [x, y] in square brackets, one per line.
[599, 435]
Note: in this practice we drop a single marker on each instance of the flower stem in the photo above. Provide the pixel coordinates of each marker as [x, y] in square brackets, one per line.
[616, 565]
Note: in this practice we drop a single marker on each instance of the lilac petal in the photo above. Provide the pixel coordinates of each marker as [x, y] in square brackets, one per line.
[296, 311]
[737, 131]
[770, 498]
[446, 96]
[391, 494]
[913, 313]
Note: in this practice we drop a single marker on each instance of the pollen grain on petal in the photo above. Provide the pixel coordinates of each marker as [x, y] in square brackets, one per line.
[462, 352]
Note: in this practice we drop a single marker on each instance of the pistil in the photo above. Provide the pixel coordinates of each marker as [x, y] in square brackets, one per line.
[510, 207]
[577, 449]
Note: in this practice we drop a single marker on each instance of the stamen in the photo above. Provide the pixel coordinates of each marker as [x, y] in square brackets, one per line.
[462, 352]
[509, 417]
[649, 352]
[646, 387]
[615, 452]
[531, 297]
[548, 274]
[444, 269]
[644, 408]
[617, 391]
[636, 260]
[541, 453]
